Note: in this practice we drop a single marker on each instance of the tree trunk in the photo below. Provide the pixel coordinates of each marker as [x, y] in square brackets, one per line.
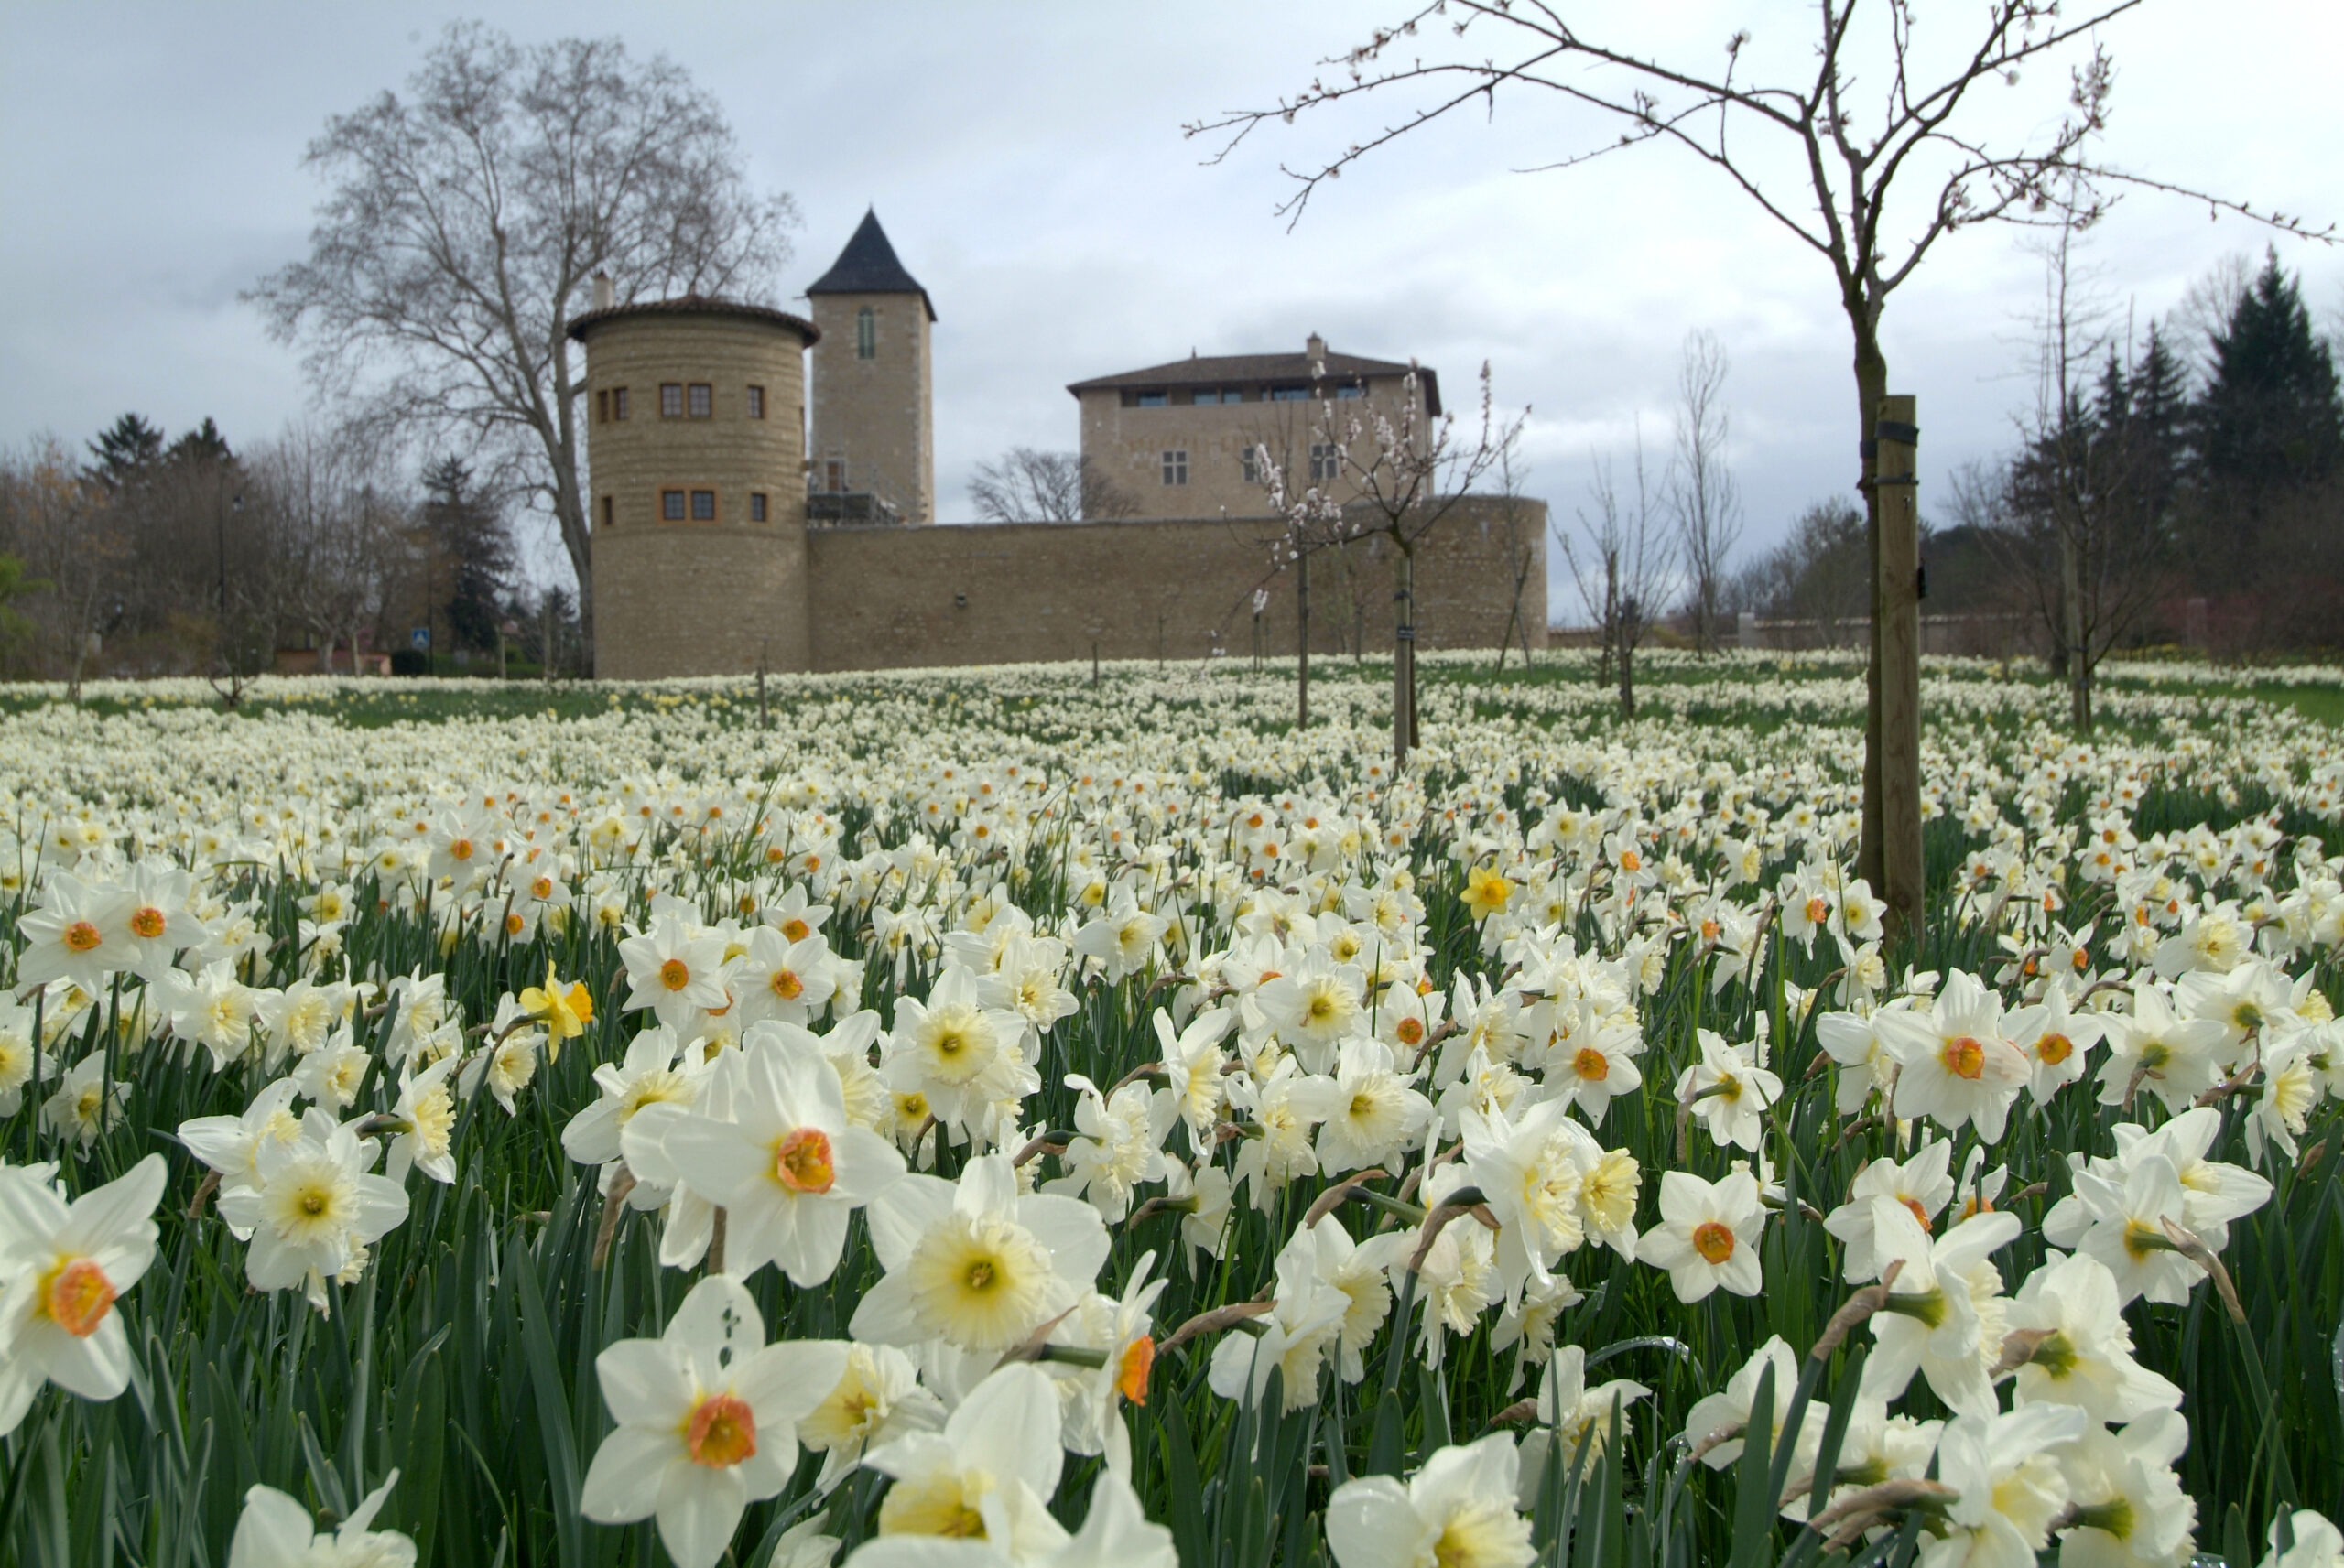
[1609, 632]
[1871, 385]
[2071, 616]
[1626, 635]
[1302, 640]
[1897, 636]
[1403, 655]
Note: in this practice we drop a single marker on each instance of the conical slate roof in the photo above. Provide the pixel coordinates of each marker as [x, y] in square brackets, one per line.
[868, 265]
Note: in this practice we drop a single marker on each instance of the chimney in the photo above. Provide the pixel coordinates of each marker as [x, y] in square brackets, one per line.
[605, 294]
[1315, 347]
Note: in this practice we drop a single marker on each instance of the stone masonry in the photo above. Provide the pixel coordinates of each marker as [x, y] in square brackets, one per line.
[690, 578]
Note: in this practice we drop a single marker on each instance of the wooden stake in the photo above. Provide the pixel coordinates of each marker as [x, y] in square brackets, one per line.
[1897, 594]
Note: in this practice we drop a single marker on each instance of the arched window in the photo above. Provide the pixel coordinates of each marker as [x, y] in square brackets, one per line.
[866, 333]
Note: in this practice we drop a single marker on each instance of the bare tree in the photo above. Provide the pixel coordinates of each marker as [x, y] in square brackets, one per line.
[1408, 474]
[2079, 518]
[1624, 567]
[1877, 183]
[466, 219]
[1308, 522]
[1820, 573]
[1703, 499]
[1030, 486]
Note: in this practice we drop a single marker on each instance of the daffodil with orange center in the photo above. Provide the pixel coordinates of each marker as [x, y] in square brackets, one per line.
[708, 1417]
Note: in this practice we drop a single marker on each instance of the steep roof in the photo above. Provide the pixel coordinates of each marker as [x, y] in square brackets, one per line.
[868, 265]
[694, 305]
[1221, 369]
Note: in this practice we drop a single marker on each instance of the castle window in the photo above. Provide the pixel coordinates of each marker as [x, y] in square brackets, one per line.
[1289, 395]
[1176, 468]
[602, 407]
[703, 400]
[1326, 461]
[671, 400]
[756, 506]
[607, 509]
[866, 333]
[1352, 390]
[671, 505]
[1249, 464]
[1153, 399]
[1208, 395]
[756, 402]
[703, 506]
[618, 402]
[834, 476]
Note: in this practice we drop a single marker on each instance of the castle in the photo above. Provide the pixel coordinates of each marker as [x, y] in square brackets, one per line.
[734, 533]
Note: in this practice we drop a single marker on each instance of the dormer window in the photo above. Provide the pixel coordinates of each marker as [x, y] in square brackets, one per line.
[866, 333]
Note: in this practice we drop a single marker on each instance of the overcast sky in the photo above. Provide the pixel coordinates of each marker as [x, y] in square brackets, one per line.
[1028, 164]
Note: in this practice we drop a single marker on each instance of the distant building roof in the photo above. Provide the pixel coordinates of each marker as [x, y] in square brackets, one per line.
[868, 265]
[1222, 369]
[693, 305]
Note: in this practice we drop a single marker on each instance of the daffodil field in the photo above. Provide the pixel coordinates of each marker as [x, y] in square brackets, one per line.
[990, 1117]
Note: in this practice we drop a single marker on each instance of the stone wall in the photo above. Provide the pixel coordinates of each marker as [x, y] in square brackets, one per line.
[699, 600]
[885, 598]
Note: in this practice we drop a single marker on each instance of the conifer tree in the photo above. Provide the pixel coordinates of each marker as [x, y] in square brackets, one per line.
[2270, 419]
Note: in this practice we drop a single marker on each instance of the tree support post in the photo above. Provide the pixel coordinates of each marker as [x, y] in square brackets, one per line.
[1897, 593]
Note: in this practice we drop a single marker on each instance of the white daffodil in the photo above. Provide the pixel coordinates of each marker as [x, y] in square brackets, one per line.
[2154, 1047]
[62, 1268]
[1192, 1060]
[1374, 1115]
[1571, 1415]
[1119, 1144]
[316, 1207]
[2005, 1471]
[1946, 1314]
[276, 1531]
[2085, 1355]
[1922, 1183]
[1457, 1512]
[676, 975]
[1707, 1235]
[230, 1145]
[648, 1074]
[1954, 1064]
[1728, 1092]
[876, 1399]
[784, 1165]
[784, 981]
[960, 1056]
[975, 1264]
[2054, 1039]
[1530, 1173]
[76, 933]
[426, 1114]
[1714, 1424]
[2312, 1541]
[707, 1416]
[2125, 1505]
[988, 1477]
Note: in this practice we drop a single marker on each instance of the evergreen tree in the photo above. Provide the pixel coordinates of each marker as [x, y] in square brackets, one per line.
[205, 444]
[468, 535]
[126, 448]
[2270, 420]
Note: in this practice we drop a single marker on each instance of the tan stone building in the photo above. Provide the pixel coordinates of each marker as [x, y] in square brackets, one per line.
[726, 542]
[1193, 438]
[874, 387]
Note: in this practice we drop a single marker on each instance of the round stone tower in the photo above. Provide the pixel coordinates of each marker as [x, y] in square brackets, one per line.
[695, 422]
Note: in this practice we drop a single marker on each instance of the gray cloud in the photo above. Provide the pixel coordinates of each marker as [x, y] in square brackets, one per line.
[1028, 164]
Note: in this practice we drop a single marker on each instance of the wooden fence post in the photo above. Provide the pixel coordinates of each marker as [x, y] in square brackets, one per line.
[1898, 595]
